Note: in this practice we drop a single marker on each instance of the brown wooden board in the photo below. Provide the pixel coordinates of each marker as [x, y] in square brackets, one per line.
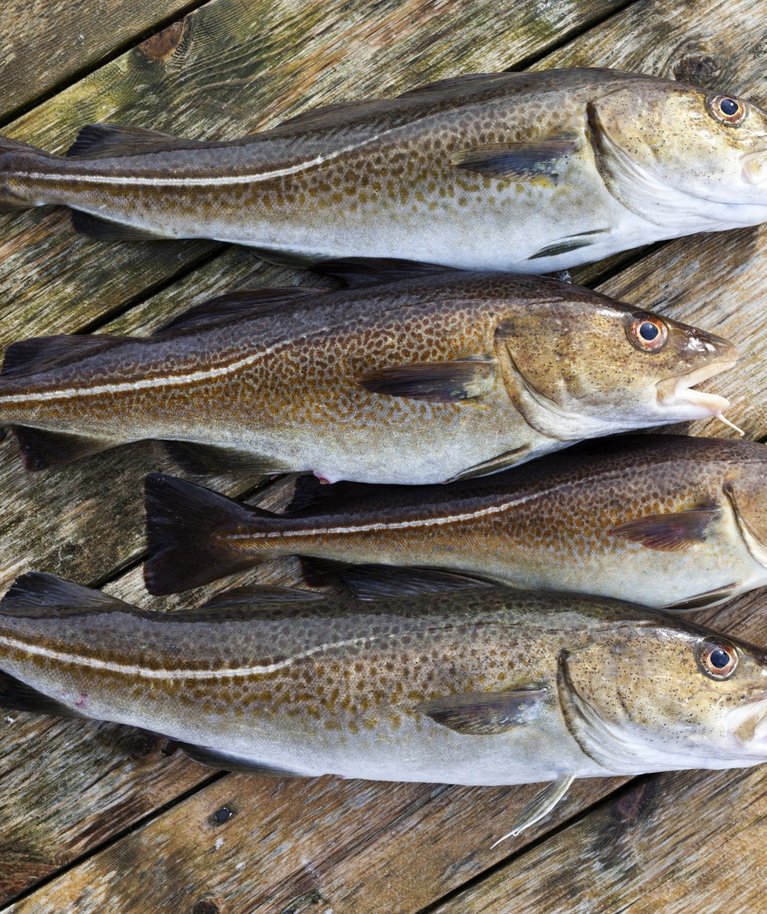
[43, 43]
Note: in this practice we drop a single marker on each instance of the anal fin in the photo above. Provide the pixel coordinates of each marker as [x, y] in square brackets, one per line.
[207, 460]
[16, 695]
[369, 582]
[108, 230]
[216, 758]
[704, 600]
[41, 449]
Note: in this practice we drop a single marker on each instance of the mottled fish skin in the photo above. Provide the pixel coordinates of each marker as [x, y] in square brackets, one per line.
[406, 689]
[531, 172]
[658, 520]
[555, 363]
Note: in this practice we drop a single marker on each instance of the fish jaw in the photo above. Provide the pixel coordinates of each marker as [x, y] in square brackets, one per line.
[681, 401]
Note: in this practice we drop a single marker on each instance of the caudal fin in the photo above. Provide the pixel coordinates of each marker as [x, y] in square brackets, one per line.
[187, 530]
[15, 159]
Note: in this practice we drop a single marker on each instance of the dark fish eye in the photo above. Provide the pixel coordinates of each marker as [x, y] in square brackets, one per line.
[717, 659]
[727, 110]
[648, 332]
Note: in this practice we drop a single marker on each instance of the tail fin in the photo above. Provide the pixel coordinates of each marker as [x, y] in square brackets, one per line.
[186, 528]
[14, 157]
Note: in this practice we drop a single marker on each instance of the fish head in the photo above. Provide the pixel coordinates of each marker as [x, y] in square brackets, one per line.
[680, 156]
[746, 490]
[586, 365]
[655, 695]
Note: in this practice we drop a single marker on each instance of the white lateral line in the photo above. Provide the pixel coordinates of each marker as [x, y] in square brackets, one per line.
[93, 663]
[222, 181]
[394, 525]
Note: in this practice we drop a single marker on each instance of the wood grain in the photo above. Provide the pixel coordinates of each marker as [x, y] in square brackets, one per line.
[45, 42]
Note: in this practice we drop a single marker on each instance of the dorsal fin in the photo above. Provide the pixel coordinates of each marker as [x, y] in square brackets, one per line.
[360, 272]
[42, 352]
[341, 114]
[101, 141]
[235, 305]
[38, 591]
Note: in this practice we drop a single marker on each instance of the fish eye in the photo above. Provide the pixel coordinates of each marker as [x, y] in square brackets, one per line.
[717, 659]
[727, 110]
[648, 332]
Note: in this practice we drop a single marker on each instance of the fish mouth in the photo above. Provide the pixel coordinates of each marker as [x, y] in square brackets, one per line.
[680, 392]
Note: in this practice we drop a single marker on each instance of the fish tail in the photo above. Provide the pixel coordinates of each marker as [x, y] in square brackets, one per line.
[191, 534]
[16, 191]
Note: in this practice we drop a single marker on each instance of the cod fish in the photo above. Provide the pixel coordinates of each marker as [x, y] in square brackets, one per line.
[530, 172]
[667, 521]
[480, 687]
[435, 376]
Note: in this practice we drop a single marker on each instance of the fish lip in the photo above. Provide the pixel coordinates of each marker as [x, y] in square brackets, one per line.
[679, 390]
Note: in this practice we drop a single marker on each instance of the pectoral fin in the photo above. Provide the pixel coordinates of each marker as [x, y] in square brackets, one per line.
[670, 532]
[485, 713]
[540, 806]
[518, 160]
[460, 379]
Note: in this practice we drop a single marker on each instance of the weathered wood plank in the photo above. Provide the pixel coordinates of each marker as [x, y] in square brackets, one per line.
[45, 42]
[234, 67]
[677, 842]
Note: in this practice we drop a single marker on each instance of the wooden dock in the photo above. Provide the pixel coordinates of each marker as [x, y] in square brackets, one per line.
[97, 819]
